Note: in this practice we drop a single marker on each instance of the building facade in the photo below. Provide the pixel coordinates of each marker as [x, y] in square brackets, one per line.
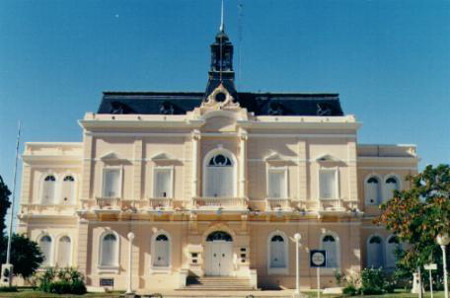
[169, 185]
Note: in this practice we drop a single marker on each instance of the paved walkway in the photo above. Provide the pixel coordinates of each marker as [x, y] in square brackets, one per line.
[224, 294]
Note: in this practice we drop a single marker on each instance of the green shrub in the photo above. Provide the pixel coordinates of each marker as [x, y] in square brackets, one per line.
[78, 287]
[8, 289]
[59, 287]
[350, 290]
[62, 281]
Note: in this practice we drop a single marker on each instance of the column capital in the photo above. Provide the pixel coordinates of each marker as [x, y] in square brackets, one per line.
[196, 135]
[243, 135]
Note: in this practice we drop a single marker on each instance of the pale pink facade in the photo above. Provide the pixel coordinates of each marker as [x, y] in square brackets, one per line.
[134, 151]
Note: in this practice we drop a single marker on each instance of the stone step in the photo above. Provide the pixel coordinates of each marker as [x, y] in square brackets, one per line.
[225, 283]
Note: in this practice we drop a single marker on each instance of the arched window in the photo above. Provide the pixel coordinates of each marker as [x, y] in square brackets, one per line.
[390, 185]
[375, 252]
[109, 250]
[331, 246]
[68, 190]
[373, 191]
[219, 176]
[45, 243]
[49, 190]
[277, 252]
[64, 251]
[392, 245]
[161, 251]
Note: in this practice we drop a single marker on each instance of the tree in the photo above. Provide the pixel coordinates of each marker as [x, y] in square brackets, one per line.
[26, 256]
[418, 215]
[4, 203]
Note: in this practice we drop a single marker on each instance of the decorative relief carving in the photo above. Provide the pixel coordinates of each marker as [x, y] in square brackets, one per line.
[220, 99]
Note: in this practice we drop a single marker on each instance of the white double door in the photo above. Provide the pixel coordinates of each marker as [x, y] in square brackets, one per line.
[219, 258]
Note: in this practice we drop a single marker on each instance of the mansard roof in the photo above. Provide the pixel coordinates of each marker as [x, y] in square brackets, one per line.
[261, 104]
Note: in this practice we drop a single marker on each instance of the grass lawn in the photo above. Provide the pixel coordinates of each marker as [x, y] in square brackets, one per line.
[29, 293]
[398, 293]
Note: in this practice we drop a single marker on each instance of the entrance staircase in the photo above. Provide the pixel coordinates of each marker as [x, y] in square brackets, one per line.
[219, 283]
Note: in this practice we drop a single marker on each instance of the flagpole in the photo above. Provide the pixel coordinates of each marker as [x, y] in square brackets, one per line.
[11, 219]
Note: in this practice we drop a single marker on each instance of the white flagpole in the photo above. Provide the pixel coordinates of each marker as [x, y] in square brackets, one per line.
[11, 218]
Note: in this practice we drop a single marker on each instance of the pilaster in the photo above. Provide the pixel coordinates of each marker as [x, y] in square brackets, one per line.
[137, 169]
[82, 259]
[196, 136]
[302, 191]
[87, 167]
[243, 136]
[352, 172]
[25, 197]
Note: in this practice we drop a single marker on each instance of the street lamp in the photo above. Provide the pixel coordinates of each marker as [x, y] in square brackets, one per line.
[130, 237]
[297, 238]
[443, 240]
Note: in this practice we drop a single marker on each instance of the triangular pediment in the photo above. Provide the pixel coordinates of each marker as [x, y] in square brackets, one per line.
[275, 157]
[327, 158]
[163, 157]
[111, 156]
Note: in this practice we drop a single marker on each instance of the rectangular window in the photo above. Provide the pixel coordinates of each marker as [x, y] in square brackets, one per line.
[112, 183]
[162, 187]
[277, 183]
[328, 184]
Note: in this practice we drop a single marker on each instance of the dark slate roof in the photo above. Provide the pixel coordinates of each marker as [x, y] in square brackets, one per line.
[177, 103]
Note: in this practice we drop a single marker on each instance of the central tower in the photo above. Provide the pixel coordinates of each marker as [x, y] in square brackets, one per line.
[221, 68]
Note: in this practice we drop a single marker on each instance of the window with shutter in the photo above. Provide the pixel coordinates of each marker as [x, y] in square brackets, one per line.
[112, 183]
[277, 252]
[49, 190]
[327, 182]
[68, 190]
[375, 252]
[372, 191]
[162, 183]
[391, 184]
[392, 245]
[64, 251]
[109, 250]
[277, 183]
[330, 245]
[161, 254]
[45, 243]
[219, 177]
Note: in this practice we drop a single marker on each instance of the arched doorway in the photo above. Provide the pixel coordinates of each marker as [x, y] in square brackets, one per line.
[219, 254]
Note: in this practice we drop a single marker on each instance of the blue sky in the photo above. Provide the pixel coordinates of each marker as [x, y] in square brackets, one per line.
[388, 59]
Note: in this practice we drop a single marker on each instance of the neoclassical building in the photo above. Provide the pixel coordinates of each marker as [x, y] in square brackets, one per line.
[166, 187]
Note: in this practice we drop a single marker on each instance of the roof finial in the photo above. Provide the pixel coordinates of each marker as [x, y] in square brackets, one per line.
[222, 26]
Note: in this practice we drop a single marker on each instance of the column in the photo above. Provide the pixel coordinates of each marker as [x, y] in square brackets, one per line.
[196, 136]
[243, 137]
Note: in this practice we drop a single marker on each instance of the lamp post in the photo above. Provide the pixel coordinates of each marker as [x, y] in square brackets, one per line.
[130, 237]
[443, 240]
[297, 238]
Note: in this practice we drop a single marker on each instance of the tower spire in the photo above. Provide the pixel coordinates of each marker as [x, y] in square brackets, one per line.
[222, 26]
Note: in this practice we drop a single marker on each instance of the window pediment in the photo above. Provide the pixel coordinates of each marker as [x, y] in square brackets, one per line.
[276, 157]
[328, 158]
[163, 157]
[112, 157]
